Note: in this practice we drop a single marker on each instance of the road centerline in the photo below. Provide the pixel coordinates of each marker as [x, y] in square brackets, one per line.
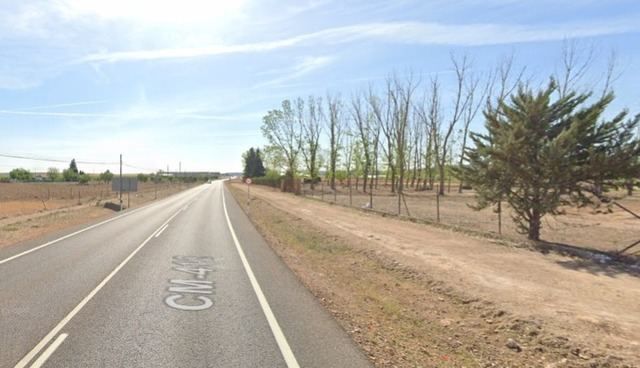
[50, 350]
[162, 230]
[123, 215]
[31, 354]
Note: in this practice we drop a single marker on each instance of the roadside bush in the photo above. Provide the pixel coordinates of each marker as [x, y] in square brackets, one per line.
[270, 181]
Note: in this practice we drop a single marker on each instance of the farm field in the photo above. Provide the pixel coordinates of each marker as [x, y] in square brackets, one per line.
[607, 228]
[18, 199]
[31, 210]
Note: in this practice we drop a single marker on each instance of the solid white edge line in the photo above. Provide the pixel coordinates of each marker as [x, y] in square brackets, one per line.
[78, 232]
[281, 340]
[47, 353]
[27, 358]
[161, 230]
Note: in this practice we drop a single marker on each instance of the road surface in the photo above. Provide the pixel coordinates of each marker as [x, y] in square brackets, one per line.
[184, 282]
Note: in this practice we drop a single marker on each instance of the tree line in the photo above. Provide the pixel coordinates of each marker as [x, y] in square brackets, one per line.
[543, 146]
[73, 174]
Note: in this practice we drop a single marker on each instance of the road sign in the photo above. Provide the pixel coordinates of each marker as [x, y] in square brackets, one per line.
[248, 181]
[128, 184]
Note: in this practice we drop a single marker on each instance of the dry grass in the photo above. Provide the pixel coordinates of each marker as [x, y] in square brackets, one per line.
[19, 199]
[604, 228]
[26, 212]
[400, 316]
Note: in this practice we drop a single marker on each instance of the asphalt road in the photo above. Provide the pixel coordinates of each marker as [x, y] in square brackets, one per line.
[183, 282]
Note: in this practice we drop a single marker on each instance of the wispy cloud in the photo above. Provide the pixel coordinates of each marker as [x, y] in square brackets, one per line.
[59, 114]
[392, 32]
[68, 104]
[135, 114]
[303, 67]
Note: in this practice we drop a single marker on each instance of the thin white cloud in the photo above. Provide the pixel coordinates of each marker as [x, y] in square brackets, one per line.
[135, 114]
[59, 114]
[303, 67]
[393, 32]
[69, 104]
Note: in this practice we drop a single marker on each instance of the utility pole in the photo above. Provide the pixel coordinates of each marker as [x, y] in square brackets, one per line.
[121, 182]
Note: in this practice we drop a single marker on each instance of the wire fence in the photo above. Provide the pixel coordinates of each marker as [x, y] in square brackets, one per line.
[607, 228]
[26, 198]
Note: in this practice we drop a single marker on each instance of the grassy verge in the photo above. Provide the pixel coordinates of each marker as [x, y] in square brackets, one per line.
[400, 317]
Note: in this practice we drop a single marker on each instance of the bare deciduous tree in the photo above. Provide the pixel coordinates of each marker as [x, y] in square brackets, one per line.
[335, 130]
[283, 131]
[311, 128]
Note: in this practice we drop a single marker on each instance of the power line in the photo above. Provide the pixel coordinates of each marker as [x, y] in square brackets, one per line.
[34, 158]
[138, 167]
[45, 159]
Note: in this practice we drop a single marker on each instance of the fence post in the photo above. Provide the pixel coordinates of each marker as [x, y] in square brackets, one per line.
[322, 189]
[500, 217]
[350, 195]
[438, 203]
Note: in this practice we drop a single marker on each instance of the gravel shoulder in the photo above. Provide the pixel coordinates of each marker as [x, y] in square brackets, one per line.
[417, 295]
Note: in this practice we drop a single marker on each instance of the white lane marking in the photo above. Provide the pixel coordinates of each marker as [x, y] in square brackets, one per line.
[27, 358]
[76, 233]
[47, 353]
[285, 349]
[161, 230]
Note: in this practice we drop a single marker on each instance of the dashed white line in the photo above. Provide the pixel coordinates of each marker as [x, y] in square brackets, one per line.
[27, 358]
[47, 353]
[281, 340]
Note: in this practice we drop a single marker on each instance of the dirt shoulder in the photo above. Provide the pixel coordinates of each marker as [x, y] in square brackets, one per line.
[416, 295]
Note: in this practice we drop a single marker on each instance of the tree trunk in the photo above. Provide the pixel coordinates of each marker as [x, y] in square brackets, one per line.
[534, 226]
[366, 177]
[442, 179]
[393, 180]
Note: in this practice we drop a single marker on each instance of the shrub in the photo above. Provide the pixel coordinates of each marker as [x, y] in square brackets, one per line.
[21, 174]
[83, 179]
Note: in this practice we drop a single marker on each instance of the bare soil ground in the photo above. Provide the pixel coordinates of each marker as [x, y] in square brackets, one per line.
[23, 216]
[604, 228]
[18, 199]
[417, 295]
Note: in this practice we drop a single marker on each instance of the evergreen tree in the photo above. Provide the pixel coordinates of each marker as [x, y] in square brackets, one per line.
[541, 152]
[253, 166]
[259, 166]
[73, 167]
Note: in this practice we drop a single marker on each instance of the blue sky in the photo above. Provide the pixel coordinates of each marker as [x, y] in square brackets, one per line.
[190, 80]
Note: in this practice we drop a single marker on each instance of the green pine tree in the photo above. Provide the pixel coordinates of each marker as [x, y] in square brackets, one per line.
[73, 167]
[253, 166]
[259, 169]
[541, 152]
